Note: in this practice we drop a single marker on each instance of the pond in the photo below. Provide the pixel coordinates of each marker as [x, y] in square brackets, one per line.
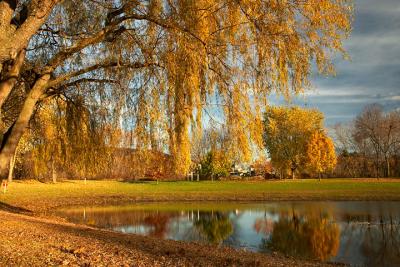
[358, 233]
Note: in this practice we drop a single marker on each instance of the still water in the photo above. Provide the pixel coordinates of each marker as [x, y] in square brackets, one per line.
[357, 233]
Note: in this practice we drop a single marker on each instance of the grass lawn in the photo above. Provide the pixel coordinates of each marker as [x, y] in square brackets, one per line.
[38, 196]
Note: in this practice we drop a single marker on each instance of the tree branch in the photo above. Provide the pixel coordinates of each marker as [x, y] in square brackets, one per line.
[11, 77]
[13, 41]
[137, 65]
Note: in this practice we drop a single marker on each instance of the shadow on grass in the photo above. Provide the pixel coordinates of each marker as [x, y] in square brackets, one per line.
[14, 209]
[138, 181]
[150, 181]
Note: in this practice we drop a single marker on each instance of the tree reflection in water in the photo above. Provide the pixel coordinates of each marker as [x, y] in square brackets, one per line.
[215, 226]
[311, 237]
[158, 223]
[378, 239]
[363, 233]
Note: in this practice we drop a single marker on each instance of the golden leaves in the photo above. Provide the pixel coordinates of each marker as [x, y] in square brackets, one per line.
[287, 134]
[234, 53]
[321, 155]
[278, 37]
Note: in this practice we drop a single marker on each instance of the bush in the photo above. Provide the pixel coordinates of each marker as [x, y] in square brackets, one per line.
[215, 164]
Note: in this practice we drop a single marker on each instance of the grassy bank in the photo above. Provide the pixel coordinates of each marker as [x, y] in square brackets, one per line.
[38, 196]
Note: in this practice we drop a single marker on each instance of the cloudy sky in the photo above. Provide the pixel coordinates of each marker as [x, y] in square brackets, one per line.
[373, 73]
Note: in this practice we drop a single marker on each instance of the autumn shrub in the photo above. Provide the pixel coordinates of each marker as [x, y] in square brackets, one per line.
[215, 164]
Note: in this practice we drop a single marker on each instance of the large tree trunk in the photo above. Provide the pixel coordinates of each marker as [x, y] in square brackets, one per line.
[12, 166]
[293, 169]
[11, 142]
[10, 79]
[53, 172]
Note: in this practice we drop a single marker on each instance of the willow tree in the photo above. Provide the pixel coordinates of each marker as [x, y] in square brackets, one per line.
[66, 139]
[174, 58]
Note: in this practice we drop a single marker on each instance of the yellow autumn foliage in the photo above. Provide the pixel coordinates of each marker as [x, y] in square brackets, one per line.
[227, 57]
[321, 156]
[287, 132]
[162, 65]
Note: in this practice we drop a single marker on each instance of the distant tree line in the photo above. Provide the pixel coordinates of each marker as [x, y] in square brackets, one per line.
[298, 145]
[369, 146]
[67, 140]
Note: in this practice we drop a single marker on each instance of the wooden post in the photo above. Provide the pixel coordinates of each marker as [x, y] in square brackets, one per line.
[4, 184]
[198, 172]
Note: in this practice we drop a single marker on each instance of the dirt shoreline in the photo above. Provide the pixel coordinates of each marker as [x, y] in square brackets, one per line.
[39, 241]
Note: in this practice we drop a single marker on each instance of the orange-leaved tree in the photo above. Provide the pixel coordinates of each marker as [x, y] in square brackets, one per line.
[287, 131]
[321, 154]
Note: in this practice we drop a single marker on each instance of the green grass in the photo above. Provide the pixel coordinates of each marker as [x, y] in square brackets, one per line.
[43, 196]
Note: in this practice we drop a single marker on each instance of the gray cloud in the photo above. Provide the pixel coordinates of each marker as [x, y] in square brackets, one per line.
[372, 75]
